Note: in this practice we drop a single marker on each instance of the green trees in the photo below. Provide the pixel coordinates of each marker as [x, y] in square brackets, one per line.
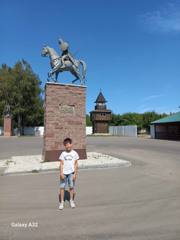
[88, 121]
[129, 118]
[20, 88]
[142, 120]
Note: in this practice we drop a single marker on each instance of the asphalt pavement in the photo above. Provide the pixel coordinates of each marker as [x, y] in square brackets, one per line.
[133, 203]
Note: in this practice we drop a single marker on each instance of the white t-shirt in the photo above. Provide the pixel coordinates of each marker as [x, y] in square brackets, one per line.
[68, 159]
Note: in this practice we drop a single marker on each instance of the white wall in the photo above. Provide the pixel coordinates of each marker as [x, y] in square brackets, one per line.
[38, 131]
[152, 131]
[33, 131]
[88, 130]
[1, 131]
[130, 131]
[127, 131]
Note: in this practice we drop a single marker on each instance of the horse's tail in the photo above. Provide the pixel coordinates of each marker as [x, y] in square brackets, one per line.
[83, 68]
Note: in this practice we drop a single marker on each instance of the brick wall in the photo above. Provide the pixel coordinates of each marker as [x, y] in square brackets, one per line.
[64, 117]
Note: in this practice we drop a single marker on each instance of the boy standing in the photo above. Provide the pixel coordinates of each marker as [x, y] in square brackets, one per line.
[68, 171]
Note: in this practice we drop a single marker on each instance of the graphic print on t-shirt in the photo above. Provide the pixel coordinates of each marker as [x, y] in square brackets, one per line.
[68, 157]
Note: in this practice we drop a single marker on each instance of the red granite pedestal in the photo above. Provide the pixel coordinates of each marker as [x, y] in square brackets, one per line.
[7, 126]
[64, 117]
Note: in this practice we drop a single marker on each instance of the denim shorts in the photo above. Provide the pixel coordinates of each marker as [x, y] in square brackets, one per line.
[67, 181]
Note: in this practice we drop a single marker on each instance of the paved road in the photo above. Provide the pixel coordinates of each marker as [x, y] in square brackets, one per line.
[136, 203]
[19, 146]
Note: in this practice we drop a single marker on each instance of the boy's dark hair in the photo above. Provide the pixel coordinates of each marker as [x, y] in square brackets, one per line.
[67, 140]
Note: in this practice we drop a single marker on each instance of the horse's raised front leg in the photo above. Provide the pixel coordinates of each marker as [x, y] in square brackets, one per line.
[76, 74]
[56, 76]
[50, 76]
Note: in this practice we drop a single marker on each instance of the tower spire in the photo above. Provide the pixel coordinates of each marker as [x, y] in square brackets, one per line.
[100, 98]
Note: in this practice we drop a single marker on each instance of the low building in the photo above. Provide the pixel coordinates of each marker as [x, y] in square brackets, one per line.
[101, 116]
[166, 128]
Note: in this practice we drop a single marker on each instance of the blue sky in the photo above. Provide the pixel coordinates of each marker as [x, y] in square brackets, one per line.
[132, 47]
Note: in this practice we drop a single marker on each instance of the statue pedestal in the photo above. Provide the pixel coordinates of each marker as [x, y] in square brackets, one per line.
[7, 126]
[64, 117]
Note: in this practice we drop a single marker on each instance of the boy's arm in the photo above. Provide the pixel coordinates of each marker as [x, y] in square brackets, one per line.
[75, 168]
[61, 169]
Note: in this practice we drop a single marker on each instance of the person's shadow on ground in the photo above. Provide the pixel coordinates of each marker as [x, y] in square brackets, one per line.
[66, 196]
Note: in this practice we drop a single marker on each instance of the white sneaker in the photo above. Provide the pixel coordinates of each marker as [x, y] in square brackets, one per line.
[61, 205]
[72, 204]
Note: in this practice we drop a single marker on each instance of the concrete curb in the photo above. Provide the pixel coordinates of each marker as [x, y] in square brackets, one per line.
[34, 164]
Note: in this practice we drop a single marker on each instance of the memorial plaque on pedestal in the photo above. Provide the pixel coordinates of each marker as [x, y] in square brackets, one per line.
[64, 117]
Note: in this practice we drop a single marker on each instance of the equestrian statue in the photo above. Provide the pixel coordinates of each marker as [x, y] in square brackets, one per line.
[65, 62]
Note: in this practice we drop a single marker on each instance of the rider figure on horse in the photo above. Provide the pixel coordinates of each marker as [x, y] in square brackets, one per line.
[66, 56]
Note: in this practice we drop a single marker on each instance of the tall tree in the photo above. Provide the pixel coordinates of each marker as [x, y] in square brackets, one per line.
[149, 117]
[20, 87]
[6, 87]
[88, 121]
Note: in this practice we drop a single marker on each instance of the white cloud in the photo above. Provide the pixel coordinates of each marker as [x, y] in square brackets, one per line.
[164, 20]
[158, 109]
[153, 97]
[147, 104]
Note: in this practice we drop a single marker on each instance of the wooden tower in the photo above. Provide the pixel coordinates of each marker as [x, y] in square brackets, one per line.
[101, 116]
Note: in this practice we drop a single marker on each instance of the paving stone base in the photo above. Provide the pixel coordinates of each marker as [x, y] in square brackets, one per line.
[34, 163]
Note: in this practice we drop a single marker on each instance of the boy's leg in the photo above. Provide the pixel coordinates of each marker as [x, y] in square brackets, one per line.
[62, 194]
[72, 203]
[74, 194]
[71, 184]
[62, 187]
[61, 204]
[71, 190]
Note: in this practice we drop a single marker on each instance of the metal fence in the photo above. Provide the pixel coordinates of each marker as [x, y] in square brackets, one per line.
[38, 131]
[126, 131]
